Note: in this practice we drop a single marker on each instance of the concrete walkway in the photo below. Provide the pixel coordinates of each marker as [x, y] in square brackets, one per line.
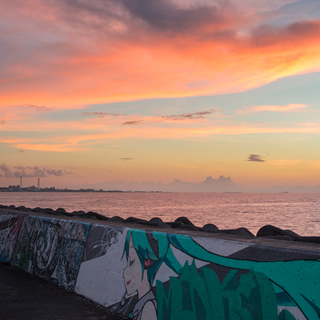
[23, 296]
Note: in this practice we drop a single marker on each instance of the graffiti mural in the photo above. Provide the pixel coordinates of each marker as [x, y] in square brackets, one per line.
[9, 229]
[154, 275]
[51, 249]
[99, 241]
[159, 276]
[101, 272]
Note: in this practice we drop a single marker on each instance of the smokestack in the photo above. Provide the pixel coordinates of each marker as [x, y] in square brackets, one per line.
[38, 183]
[20, 182]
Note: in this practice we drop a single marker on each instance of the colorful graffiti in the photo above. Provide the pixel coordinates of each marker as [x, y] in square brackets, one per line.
[170, 276]
[160, 276]
[51, 249]
[9, 229]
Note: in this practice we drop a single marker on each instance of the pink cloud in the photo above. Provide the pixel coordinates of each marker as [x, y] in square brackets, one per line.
[283, 109]
[74, 53]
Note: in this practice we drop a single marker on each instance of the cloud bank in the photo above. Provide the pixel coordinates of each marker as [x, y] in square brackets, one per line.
[221, 184]
[30, 172]
[98, 51]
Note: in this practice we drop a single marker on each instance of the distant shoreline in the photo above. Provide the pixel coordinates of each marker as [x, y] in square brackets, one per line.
[52, 189]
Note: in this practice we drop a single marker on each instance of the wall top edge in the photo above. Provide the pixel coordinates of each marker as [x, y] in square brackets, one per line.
[258, 241]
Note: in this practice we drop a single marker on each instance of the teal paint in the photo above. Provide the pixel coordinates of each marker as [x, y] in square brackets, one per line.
[299, 278]
[199, 295]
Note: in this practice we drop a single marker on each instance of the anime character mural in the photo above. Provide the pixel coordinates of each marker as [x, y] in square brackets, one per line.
[139, 272]
[222, 288]
[143, 254]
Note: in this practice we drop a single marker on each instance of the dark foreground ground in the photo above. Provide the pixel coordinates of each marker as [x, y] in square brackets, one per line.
[23, 296]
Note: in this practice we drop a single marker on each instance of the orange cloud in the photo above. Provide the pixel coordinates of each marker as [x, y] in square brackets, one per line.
[143, 54]
[47, 147]
[104, 135]
[21, 112]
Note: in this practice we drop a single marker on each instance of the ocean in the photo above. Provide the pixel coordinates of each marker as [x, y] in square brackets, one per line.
[299, 212]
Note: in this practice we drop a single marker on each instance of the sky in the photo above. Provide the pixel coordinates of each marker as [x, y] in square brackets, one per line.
[162, 95]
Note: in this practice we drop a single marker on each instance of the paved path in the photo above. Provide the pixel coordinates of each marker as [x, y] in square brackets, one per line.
[26, 297]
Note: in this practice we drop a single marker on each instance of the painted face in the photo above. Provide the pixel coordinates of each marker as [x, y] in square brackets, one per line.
[132, 274]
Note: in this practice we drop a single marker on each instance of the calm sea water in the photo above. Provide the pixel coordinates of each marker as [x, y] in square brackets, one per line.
[299, 212]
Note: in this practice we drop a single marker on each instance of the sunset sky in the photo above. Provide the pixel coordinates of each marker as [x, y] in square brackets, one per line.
[179, 95]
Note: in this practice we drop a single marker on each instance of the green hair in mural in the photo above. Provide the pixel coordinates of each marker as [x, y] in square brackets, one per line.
[249, 283]
[298, 278]
[154, 247]
[245, 296]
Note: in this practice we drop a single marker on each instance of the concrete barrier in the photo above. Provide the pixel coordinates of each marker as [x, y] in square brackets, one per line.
[51, 249]
[10, 225]
[151, 273]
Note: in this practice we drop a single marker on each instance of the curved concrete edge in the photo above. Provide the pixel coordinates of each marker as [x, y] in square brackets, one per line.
[10, 225]
[140, 272]
[179, 224]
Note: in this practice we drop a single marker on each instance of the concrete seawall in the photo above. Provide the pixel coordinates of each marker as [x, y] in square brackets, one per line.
[152, 272]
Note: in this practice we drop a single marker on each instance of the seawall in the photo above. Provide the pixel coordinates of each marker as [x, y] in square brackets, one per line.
[166, 271]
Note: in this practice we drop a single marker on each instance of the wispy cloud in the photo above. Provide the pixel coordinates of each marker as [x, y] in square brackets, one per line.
[126, 159]
[100, 114]
[274, 108]
[91, 134]
[255, 158]
[15, 112]
[183, 118]
[49, 147]
[133, 122]
[32, 107]
[195, 115]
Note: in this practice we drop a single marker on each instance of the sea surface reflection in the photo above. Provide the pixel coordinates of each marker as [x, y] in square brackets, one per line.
[298, 212]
